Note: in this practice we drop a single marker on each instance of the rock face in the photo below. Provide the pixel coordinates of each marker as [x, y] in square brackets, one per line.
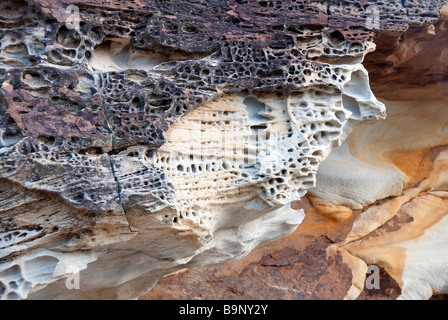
[140, 138]
[380, 199]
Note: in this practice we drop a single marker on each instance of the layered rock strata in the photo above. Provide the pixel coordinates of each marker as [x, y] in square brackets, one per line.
[138, 138]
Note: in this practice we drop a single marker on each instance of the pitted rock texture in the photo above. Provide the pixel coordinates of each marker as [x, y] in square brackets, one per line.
[380, 198]
[170, 134]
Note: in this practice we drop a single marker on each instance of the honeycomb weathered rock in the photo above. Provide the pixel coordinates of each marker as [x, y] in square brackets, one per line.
[179, 130]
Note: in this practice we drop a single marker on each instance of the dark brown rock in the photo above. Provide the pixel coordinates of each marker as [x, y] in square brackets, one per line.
[287, 274]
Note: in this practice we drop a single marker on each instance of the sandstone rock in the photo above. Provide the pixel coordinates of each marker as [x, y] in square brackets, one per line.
[364, 221]
[379, 198]
[139, 138]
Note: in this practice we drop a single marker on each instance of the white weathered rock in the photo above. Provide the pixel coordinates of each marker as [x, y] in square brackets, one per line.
[219, 187]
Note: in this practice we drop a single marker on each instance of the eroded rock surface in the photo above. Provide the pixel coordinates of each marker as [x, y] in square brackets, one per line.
[379, 199]
[138, 138]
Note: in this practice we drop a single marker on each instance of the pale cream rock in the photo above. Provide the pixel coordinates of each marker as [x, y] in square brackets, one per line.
[404, 191]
